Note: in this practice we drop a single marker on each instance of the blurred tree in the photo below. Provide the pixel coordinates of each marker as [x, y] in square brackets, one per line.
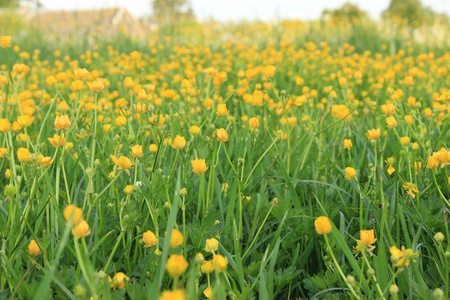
[172, 11]
[9, 3]
[410, 11]
[346, 13]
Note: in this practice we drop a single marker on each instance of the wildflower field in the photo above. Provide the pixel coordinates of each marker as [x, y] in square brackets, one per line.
[245, 163]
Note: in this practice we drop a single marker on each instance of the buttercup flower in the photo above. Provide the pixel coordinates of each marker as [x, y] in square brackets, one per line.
[199, 166]
[5, 41]
[222, 135]
[176, 239]
[402, 257]
[75, 211]
[173, 295]
[62, 122]
[176, 265]
[179, 142]
[119, 280]
[323, 225]
[211, 245]
[373, 134]
[411, 188]
[347, 144]
[136, 151]
[33, 248]
[122, 162]
[57, 140]
[350, 173]
[23, 154]
[222, 110]
[149, 238]
[82, 229]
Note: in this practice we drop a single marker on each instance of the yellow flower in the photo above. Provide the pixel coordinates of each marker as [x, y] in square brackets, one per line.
[153, 148]
[173, 295]
[194, 130]
[4, 125]
[62, 122]
[350, 173]
[402, 257]
[222, 135]
[57, 140]
[432, 162]
[24, 121]
[391, 122]
[76, 85]
[75, 211]
[199, 166]
[220, 262]
[119, 280]
[5, 41]
[323, 225]
[367, 237]
[3, 152]
[129, 189]
[176, 265]
[120, 121]
[409, 119]
[222, 110]
[207, 267]
[33, 248]
[122, 162]
[176, 239]
[411, 189]
[81, 74]
[96, 86]
[208, 292]
[388, 109]
[128, 83]
[405, 141]
[211, 245]
[82, 229]
[137, 151]
[142, 95]
[409, 80]
[348, 144]
[23, 154]
[149, 238]
[269, 71]
[179, 142]
[373, 134]
[442, 156]
[253, 123]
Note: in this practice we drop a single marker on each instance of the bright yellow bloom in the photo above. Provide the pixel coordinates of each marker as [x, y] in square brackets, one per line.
[194, 130]
[149, 238]
[5, 41]
[23, 154]
[222, 135]
[173, 295]
[81, 74]
[176, 265]
[373, 134]
[208, 292]
[82, 229]
[75, 211]
[222, 110]
[211, 245]
[57, 140]
[405, 140]
[120, 121]
[350, 173]
[96, 86]
[402, 257]
[269, 71]
[4, 125]
[33, 248]
[119, 280]
[365, 243]
[123, 162]
[391, 122]
[253, 123]
[199, 166]
[207, 267]
[409, 80]
[128, 83]
[348, 144]
[411, 188]
[3, 152]
[137, 151]
[76, 85]
[220, 262]
[323, 225]
[176, 239]
[62, 122]
[179, 142]
[153, 148]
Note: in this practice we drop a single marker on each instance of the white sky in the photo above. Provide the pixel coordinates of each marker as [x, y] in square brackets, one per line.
[234, 10]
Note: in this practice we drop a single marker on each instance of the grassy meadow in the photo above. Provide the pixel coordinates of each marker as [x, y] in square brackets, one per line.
[249, 161]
